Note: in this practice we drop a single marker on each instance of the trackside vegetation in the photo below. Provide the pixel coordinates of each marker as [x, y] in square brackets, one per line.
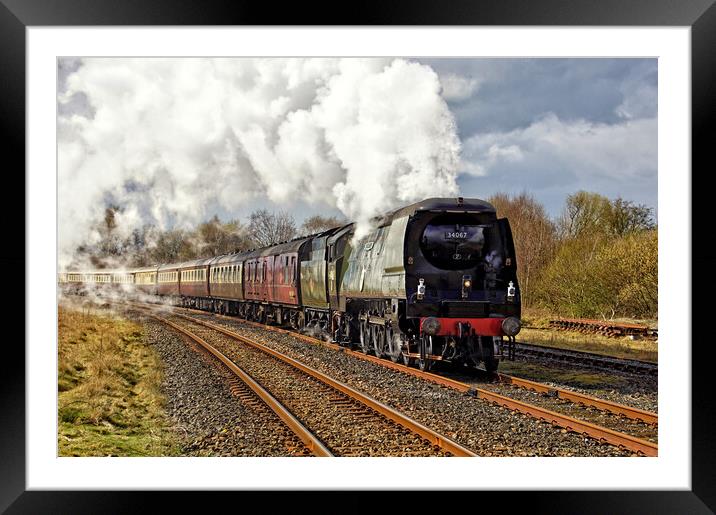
[599, 259]
[109, 397]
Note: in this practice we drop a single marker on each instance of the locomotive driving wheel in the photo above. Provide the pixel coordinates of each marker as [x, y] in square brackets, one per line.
[374, 345]
[378, 339]
[426, 348]
[393, 344]
[364, 337]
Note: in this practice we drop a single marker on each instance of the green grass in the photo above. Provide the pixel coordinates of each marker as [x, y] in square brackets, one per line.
[109, 402]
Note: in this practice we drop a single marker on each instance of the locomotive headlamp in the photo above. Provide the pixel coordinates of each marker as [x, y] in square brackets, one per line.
[431, 326]
[466, 285]
[511, 291]
[421, 289]
[511, 326]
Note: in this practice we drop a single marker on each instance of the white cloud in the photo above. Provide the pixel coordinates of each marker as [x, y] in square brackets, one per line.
[457, 87]
[582, 148]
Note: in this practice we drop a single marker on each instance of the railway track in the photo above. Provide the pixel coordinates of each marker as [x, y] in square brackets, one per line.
[586, 359]
[329, 417]
[636, 444]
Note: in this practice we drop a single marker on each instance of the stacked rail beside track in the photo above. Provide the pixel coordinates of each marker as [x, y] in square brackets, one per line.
[603, 327]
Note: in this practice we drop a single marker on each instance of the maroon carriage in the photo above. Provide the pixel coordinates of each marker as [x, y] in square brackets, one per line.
[145, 280]
[194, 283]
[168, 280]
[122, 281]
[226, 283]
[271, 276]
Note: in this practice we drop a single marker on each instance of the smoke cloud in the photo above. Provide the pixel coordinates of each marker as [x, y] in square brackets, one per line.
[169, 140]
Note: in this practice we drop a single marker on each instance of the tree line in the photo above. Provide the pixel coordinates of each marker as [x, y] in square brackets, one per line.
[597, 259]
[150, 245]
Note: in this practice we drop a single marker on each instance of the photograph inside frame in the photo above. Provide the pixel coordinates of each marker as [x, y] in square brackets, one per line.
[379, 257]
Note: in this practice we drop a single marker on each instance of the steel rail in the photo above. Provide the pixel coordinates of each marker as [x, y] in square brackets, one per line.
[589, 359]
[599, 433]
[647, 417]
[308, 438]
[416, 427]
[602, 434]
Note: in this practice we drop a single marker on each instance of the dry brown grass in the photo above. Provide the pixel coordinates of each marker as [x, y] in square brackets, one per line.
[536, 330]
[110, 402]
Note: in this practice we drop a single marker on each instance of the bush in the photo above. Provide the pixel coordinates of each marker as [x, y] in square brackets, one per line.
[600, 276]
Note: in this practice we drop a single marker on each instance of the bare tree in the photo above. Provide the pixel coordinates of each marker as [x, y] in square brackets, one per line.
[318, 223]
[627, 218]
[268, 228]
[214, 238]
[584, 213]
[534, 235]
[171, 247]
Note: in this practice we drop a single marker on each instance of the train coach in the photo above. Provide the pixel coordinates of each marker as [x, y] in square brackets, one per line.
[433, 282]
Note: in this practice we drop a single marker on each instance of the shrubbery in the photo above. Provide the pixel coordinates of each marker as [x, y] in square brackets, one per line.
[601, 259]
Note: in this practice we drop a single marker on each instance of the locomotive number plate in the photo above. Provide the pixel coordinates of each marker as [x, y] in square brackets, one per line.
[455, 235]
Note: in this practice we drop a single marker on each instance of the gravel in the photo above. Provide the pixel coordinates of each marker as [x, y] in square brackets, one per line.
[209, 420]
[324, 410]
[487, 429]
[590, 414]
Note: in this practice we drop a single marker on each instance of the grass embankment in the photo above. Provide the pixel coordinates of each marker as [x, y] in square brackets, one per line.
[536, 330]
[110, 403]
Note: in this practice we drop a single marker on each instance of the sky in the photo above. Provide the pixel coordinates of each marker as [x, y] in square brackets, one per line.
[174, 141]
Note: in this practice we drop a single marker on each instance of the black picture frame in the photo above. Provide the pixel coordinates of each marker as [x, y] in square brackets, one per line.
[700, 15]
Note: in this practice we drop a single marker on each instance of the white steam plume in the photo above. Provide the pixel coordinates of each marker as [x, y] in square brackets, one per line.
[170, 139]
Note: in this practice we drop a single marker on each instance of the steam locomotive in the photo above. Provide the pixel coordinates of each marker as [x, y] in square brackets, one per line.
[434, 282]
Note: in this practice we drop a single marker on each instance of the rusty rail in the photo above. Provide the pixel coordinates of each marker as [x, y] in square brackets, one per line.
[416, 427]
[638, 445]
[588, 359]
[308, 438]
[579, 398]
[647, 417]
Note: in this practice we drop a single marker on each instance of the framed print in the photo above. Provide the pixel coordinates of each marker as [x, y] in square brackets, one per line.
[364, 180]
